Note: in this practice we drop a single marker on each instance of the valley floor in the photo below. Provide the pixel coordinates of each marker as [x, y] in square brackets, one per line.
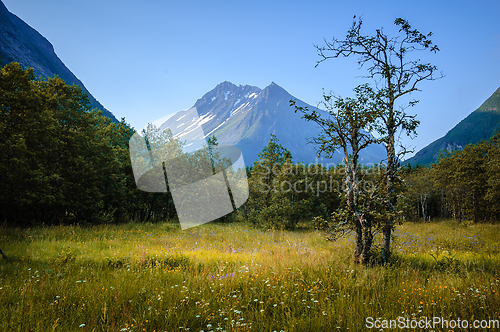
[216, 277]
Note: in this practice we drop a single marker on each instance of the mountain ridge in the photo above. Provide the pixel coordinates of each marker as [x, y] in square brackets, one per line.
[479, 125]
[246, 116]
[21, 43]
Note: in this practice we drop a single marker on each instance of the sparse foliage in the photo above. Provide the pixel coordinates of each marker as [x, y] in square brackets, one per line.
[395, 73]
[347, 125]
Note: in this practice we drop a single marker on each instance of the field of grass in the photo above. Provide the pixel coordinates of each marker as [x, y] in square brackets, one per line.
[215, 277]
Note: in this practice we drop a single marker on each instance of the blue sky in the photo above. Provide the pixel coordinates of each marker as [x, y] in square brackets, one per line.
[146, 59]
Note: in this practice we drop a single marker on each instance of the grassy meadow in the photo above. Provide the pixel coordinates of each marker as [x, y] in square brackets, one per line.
[232, 277]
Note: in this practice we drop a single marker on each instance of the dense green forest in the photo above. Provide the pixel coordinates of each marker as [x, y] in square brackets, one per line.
[65, 163]
[463, 185]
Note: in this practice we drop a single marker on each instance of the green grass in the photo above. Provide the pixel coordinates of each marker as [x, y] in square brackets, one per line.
[155, 277]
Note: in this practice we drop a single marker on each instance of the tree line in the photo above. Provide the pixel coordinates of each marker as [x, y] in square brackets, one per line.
[61, 161]
[462, 185]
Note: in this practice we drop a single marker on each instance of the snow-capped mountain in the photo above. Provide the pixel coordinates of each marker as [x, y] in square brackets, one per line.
[246, 116]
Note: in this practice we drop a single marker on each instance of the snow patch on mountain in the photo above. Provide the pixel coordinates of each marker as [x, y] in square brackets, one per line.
[181, 117]
[210, 133]
[205, 118]
[196, 124]
[239, 108]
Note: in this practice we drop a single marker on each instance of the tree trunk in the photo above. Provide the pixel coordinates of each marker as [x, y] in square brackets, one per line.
[367, 244]
[390, 175]
[423, 206]
[386, 243]
[359, 242]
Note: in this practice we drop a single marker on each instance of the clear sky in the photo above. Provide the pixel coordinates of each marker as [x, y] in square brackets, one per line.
[146, 59]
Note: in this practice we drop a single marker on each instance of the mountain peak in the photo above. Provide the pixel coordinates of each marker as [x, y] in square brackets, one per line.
[246, 116]
[226, 84]
[275, 92]
[273, 85]
[227, 96]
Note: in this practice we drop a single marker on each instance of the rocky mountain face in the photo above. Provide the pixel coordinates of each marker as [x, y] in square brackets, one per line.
[246, 116]
[21, 43]
[481, 124]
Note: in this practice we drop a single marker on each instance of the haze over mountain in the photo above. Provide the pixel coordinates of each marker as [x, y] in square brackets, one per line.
[246, 116]
[21, 43]
[481, 124]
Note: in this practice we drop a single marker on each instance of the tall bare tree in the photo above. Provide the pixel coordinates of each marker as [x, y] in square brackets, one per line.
[395, 73]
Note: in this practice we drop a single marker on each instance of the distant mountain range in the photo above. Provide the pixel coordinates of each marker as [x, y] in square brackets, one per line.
[246, 116]
[481, 124]
[21, 43]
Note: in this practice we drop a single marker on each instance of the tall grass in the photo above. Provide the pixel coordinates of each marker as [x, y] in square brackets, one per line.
[155, 277]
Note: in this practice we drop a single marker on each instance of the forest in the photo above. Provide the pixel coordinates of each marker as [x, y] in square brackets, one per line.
[63, 163]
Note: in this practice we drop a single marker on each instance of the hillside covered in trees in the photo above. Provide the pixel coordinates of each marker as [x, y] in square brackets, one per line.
[20, 43]
[482, 124]
[62, 162]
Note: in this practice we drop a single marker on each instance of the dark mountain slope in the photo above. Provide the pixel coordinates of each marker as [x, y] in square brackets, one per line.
[21, 43]
[481, 124]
